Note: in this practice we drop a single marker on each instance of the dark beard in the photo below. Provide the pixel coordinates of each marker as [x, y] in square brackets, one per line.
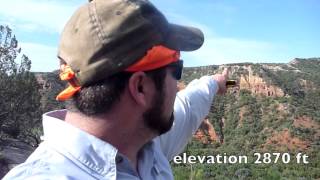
[154, 117]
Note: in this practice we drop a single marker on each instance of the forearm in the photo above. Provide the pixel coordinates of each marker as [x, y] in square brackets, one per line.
[191, 106]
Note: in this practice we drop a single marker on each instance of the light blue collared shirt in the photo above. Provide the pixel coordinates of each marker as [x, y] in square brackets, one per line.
[70, 153]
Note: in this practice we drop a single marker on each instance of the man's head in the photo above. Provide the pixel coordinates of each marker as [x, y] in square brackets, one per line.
[106, 44]
[103, 37]
[100, 98]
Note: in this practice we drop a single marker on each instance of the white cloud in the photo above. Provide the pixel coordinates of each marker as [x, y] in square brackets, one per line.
[43, 57]
[187, 21]
[50, 16]
[45, 15]
[222, 50]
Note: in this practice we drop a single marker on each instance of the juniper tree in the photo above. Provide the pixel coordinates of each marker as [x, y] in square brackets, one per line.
[19, 96]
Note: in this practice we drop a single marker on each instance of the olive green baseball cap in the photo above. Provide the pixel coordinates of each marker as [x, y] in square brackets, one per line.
[104, 37]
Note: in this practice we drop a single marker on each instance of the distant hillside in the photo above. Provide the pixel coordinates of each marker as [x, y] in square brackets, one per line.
[51, 85]
[274, 108]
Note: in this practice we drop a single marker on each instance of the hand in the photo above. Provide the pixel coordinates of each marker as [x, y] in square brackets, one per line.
[222, 80]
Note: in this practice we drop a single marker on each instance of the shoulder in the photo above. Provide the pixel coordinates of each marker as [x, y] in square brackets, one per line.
[46, 163]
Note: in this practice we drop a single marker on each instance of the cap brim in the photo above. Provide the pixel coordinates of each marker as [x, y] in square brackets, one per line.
[183, 38]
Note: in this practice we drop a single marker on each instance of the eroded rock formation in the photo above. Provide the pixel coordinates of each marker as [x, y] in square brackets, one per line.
[206, 133]
[257, 85]
[284, 141]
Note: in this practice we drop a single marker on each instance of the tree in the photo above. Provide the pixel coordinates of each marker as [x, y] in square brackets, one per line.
[19, 96]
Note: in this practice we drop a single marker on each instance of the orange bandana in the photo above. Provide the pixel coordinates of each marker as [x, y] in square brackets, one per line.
[157, 57]
[66, 74]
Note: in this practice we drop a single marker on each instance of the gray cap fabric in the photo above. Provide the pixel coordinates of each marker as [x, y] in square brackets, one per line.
[104, 37]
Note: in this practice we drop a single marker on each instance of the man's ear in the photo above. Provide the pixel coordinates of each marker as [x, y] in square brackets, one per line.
[139, 88]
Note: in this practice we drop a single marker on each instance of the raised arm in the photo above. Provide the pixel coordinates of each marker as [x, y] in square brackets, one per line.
[191, 106]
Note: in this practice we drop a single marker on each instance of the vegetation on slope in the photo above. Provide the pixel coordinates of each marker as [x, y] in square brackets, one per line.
[255, 123]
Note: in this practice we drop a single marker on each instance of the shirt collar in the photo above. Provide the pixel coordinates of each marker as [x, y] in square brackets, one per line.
[91, 151]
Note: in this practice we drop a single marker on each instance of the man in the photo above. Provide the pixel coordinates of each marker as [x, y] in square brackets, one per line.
[124, 118]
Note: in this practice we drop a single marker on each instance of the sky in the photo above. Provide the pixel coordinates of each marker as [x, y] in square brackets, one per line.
[260, 31]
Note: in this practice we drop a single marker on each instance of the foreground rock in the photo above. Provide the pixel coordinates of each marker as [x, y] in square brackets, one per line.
[12, 153]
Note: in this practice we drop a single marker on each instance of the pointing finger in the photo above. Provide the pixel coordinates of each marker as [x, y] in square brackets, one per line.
[225, 72]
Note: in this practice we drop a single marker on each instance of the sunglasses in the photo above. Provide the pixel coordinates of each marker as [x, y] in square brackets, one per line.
[178, 66]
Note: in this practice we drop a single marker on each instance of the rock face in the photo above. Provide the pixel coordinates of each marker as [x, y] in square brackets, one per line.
[206, 133]
[50, 85]
[258, 86]
[284, 141]
[247, 80]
